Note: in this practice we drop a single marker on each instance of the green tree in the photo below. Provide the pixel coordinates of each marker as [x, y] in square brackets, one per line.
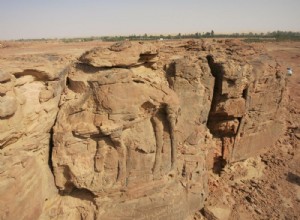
[207, 34]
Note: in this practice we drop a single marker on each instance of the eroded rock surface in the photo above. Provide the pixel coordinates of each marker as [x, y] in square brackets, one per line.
[247, 111]
[26, 181]
[137, 127]
[130, 138]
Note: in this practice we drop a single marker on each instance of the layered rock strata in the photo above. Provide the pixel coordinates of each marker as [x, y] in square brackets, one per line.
[246, 113]
[30, 90]
[137, 127]
[129, 138]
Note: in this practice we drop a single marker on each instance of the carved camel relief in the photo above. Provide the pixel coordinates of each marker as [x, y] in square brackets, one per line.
[154, 101]
[120, 106]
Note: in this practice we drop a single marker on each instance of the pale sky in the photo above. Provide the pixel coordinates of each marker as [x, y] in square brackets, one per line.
[83, 18]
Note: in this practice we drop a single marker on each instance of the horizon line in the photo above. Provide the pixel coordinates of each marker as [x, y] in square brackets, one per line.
[149, 34]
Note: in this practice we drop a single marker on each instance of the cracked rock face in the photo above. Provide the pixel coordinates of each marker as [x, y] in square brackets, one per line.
[136, 127]
[122, 133]
[26, 181]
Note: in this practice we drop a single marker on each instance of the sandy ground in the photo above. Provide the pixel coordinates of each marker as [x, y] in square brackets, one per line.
[282, 174]
[267, 187]
[73, 49]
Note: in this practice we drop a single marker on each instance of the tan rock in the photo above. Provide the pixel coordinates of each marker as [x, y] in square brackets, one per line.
[232, 107]
[8, 106]
[73, 207]
[4, 77]
[243, 91]
[25, 123]
[137, 125]
[217, 213]
[25, 185]
[122, 54]
[227, 127]
[127, 125]
[5, 87]
[46, 95]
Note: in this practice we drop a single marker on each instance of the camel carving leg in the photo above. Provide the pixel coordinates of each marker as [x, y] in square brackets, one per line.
[99, 157]
[158, 129]
[172, 113]
[116, 138]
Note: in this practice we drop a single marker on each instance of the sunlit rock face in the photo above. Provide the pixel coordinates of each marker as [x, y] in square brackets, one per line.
[130, 131]
[30, 90]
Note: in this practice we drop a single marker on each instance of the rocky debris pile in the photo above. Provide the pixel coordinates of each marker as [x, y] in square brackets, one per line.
[136, 126]
[266, 187]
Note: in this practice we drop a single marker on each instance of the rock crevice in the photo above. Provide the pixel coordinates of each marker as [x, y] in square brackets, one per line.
[133, 126]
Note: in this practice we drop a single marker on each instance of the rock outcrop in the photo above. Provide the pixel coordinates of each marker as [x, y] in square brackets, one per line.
[26, 120]
[129, 138]
[130, 131]
[246, 113]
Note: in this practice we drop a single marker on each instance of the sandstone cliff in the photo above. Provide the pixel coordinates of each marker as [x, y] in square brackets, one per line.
[30, 90]
[130, 131]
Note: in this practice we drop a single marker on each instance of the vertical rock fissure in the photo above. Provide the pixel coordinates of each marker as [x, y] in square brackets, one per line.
[226, 114]
[51, 145]
[217, 72]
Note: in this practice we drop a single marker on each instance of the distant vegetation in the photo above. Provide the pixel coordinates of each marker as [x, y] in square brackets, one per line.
[248, 37]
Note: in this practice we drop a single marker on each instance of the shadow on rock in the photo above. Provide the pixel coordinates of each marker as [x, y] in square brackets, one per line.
[293, 178]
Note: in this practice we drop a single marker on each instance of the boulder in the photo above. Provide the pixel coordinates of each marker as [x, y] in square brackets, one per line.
[4, 77]
[8, 106]
[124, 54]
